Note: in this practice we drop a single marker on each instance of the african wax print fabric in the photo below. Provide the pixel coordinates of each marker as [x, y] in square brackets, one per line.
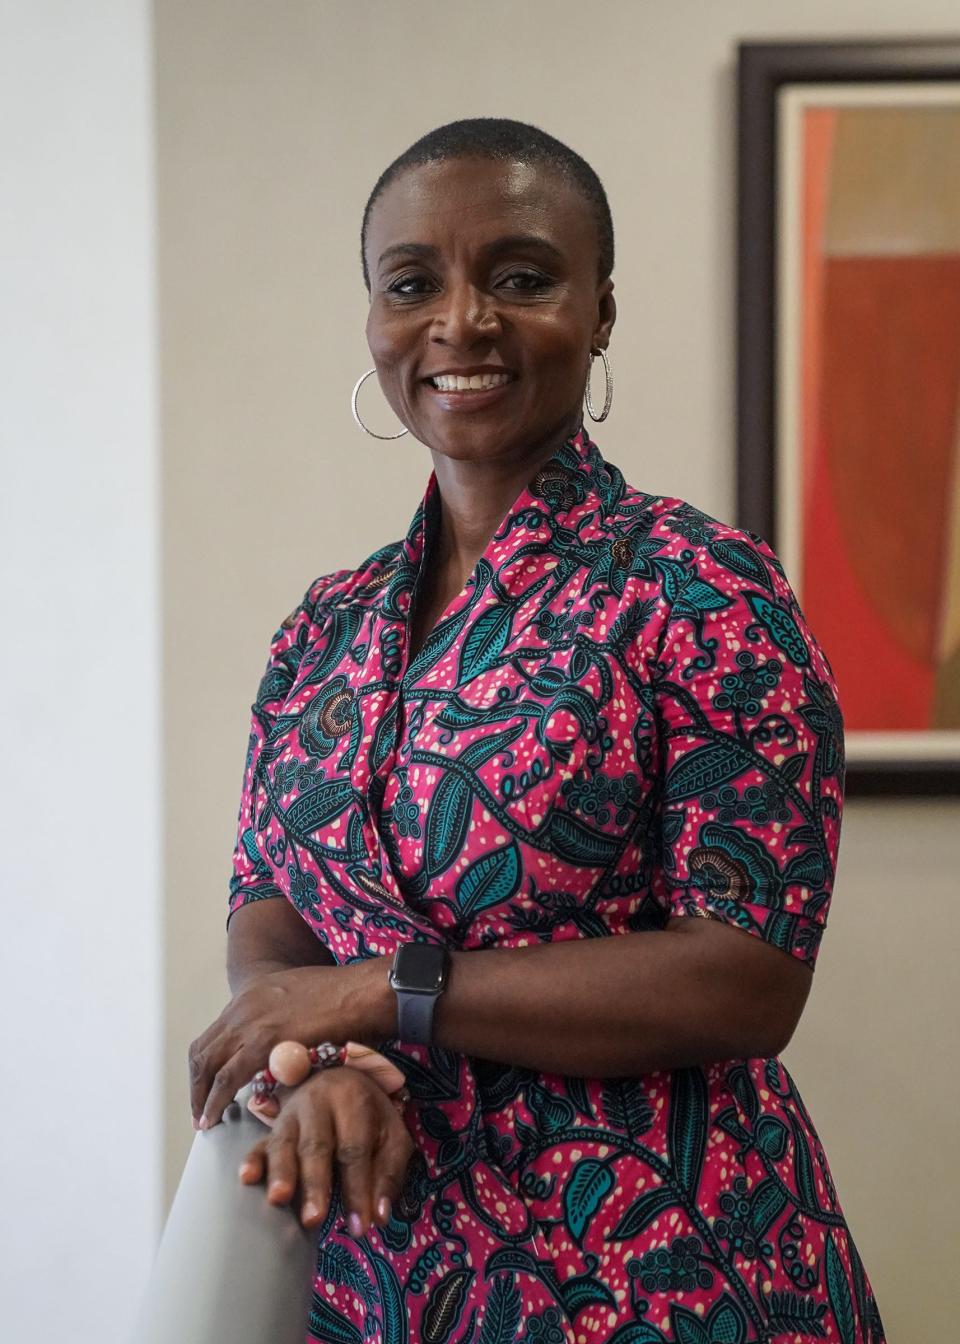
[622, 718]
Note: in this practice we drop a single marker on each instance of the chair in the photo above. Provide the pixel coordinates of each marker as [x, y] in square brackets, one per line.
[230, 1267]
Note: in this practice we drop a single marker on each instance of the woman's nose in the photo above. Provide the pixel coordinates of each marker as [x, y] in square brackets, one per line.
[466, 316]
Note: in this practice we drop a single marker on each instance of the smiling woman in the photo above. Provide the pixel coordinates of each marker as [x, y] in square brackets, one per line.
[543, 801]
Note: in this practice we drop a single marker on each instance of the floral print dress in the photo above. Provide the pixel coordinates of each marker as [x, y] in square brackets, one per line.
[621, 719]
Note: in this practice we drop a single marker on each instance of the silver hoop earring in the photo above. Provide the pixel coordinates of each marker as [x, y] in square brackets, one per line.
[608, 393]
[356, 414]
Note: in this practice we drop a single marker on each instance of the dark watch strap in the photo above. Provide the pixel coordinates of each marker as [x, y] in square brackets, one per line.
[415, 1017]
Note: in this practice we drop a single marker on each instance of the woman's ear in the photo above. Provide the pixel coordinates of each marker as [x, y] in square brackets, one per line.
[606, 315]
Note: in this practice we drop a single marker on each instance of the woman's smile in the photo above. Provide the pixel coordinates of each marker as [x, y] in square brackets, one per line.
[470, 389]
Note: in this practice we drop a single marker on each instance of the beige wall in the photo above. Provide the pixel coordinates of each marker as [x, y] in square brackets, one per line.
[274, 120]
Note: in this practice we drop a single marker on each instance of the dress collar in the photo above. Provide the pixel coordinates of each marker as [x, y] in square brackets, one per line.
[573, 477]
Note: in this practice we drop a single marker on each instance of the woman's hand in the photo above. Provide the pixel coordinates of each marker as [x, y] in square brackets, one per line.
[337, 1117]
[307, 1004]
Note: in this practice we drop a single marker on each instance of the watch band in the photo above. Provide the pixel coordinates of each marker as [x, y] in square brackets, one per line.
[415, 1016]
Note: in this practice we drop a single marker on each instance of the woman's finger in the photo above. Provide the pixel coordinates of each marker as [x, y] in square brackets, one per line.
[206, 1056]
[358, 1133]
[224, 1086]
[200, 1059]
[390, 1168]
[265, 1108]
[315, 1155]
[254, 1165]
[282, 1164]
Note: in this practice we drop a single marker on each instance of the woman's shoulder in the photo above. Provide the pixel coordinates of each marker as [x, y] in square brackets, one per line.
[688, 527]
[338, 589]
[675, 530]
[345, 587]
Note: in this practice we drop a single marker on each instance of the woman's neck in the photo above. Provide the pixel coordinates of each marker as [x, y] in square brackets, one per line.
[475, 497]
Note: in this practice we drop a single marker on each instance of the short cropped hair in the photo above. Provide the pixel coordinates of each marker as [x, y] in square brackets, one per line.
[500, 138]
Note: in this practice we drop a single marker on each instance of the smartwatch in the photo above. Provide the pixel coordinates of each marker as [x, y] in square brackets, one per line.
[418, 976]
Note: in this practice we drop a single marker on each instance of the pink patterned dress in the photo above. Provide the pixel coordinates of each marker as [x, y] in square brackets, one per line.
[621, 719]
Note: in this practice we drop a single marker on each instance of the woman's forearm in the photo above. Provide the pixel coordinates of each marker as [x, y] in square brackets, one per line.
[601, 1007]
[269, 936]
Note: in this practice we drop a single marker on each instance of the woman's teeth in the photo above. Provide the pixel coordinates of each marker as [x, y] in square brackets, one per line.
[453, 382]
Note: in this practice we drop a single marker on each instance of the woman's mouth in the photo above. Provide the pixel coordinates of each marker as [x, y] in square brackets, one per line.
[474, 390]
[474, 382]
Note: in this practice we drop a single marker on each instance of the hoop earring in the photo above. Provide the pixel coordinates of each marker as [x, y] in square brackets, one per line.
[608, 393]
[356, 414]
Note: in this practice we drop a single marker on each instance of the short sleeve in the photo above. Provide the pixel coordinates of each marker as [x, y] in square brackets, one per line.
[253, 878]
[751, 752]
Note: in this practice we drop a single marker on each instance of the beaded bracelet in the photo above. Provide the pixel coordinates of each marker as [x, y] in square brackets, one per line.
[291, 1063]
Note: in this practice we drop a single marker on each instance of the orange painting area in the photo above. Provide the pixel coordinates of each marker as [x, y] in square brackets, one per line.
[879, 440]
[876, 524]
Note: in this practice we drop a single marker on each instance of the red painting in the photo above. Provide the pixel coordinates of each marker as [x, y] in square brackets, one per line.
[876, 462]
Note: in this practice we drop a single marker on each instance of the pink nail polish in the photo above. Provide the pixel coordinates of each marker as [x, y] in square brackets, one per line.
[355, 1225]
[202, 1122]
[383, 1210]
[309, 1211]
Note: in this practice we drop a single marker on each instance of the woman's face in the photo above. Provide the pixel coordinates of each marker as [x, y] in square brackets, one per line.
[486, 271]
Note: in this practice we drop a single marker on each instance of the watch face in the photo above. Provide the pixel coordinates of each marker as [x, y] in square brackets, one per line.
[420, 968]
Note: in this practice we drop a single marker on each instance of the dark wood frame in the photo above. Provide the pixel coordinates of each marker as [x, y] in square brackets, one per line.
[763, 69]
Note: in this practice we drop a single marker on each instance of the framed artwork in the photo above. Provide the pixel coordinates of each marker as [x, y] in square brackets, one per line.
[848, 380]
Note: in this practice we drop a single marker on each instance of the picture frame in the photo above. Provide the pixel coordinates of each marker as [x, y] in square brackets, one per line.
[848, 377]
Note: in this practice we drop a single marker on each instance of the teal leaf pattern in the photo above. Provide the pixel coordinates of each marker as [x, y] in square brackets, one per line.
[798, 1314]
[485, 642]
[334, 1262]
[743, 559]
[705, 768]
[644, 1209]
[838, 1290]
[688, 1126]
[696, 597]
[586, 1290]
[395, 1322]
[725, 1324]
[587, 1186]
[327, 1323]
[803, 1175]
[501, 1317]
[766, 1205]
[626, 1106]
[447, 822]
[491, 880]
[781, 627]
[318, 807]
[772, 1136]
[578, 843]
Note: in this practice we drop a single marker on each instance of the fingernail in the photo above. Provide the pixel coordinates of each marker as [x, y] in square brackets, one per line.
[202, 1123]
[246, 1168]
[355, 1225]
[383, 1210]
[309, 1211]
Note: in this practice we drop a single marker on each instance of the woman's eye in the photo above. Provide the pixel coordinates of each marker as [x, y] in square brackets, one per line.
[410, 286]
[525, 280]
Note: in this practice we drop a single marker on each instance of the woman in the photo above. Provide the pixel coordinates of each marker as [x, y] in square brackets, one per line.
[560, 710]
